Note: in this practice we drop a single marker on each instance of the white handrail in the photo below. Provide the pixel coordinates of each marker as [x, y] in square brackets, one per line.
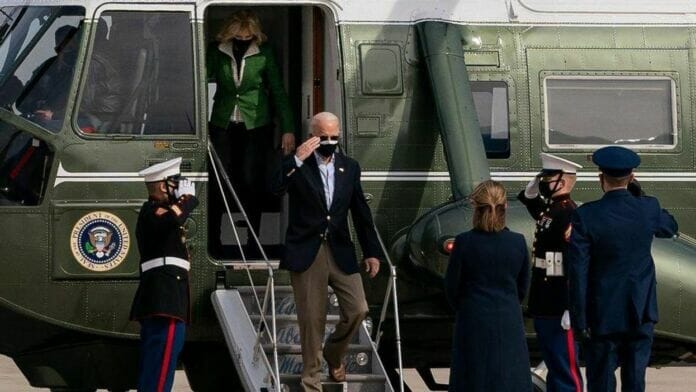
[391, 289]
[270, 283]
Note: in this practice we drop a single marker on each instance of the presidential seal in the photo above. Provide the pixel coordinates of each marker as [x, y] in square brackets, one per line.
[100, 241]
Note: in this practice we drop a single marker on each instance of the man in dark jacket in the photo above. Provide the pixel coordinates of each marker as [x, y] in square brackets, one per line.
[323, 185]
[161, 304]
[611, 273]
[548, 293]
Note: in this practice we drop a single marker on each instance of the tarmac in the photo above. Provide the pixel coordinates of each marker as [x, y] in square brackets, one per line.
[666, 379]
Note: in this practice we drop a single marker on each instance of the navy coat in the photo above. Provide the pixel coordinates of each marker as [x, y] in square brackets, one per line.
[485, 283]
[311, 221]
[611, 271]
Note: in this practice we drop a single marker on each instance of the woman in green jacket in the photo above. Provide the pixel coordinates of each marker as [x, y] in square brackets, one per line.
[249, 93]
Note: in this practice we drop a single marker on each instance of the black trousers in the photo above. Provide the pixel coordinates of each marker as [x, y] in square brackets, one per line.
[630, 350]
[244, 153]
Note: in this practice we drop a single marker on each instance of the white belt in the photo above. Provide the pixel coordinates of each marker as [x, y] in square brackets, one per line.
[553, 263]
[162, 261]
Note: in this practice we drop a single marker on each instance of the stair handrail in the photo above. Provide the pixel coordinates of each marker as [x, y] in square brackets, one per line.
[262, 327]
[391, 289]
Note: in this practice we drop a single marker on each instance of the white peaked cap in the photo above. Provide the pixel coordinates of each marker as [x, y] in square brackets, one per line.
[551, 162]
[161, 171]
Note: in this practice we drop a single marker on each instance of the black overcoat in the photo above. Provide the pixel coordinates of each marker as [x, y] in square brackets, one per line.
[485, 282]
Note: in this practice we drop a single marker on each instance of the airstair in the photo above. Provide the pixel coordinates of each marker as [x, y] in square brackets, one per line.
[259, 323]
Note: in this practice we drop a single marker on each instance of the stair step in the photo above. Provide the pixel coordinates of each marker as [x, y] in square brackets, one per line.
[284, 298]
[296, 349]
[288, 331]
[279, 290]
[350, 378]
[290, 319]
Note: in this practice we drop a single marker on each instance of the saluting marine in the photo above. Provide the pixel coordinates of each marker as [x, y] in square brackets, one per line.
[547, 198]
[162, 304]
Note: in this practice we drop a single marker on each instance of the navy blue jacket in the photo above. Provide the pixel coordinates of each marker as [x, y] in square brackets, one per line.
[486, 280]
[611, 271]
[310, 221]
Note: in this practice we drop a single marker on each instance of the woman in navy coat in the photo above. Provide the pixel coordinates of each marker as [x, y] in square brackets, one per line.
[486, 280]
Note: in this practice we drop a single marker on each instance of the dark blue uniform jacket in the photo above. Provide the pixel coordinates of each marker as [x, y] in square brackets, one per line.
[611, 270]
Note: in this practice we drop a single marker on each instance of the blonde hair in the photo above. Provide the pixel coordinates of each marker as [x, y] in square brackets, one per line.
[489, 201]
[241, 20]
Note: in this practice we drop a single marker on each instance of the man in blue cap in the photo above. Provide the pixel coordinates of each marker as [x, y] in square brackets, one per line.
[611, 274]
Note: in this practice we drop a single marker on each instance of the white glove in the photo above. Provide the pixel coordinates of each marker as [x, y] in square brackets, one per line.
[532, 189]
[565, 320]
[186, 187]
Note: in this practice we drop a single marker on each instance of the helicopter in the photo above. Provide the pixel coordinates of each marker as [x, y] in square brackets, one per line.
[434, 98]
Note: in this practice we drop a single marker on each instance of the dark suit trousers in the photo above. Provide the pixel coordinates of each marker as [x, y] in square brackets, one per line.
[631, 351]
[243, 154]
[311, 297]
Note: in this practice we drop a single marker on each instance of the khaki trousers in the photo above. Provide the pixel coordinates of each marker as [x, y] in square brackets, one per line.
[311, 297]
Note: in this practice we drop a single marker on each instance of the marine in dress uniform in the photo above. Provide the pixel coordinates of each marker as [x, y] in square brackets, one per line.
[611, 272]
[547, 198]
[161, 303]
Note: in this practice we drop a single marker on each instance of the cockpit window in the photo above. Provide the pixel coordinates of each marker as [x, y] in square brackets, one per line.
[140, 76]
[592, 111]
[38, 53]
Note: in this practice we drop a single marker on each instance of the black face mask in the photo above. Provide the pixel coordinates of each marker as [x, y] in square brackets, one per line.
[326, 150]
[547, 190]
[172, 185]
[241, 45]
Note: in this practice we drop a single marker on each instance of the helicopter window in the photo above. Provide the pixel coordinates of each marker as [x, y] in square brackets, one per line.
[24, 167]
[491, 102]
[595, 111]
[140, 77]
[37, 58]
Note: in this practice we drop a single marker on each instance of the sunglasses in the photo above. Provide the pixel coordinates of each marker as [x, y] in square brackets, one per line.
[323, 140]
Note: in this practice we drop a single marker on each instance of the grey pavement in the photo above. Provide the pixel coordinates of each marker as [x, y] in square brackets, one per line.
[666, 379]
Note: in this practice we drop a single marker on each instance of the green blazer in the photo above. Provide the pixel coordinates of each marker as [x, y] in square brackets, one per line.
[259, 92]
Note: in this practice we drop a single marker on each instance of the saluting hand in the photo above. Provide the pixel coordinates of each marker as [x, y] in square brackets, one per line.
[372, 266]
[307, 148]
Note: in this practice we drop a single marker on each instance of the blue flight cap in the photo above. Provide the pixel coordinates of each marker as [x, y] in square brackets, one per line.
[616, 161]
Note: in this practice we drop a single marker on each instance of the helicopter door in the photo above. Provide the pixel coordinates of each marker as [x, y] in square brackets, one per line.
[303, 40]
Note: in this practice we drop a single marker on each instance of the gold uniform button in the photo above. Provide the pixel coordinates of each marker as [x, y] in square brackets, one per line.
[328, 217]
[178, 277]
